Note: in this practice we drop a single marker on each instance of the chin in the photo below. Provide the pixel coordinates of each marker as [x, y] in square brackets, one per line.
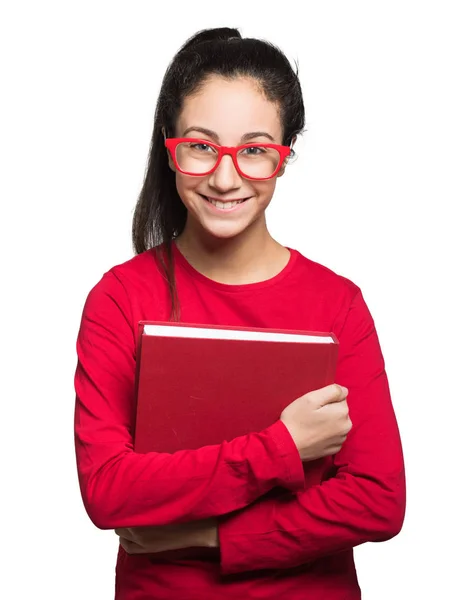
[224, 233]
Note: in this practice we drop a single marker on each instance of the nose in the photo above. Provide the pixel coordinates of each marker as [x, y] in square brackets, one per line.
[225, 177]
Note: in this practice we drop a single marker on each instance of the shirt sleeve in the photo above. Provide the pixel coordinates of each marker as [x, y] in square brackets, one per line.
[363, 501]
[121, 488]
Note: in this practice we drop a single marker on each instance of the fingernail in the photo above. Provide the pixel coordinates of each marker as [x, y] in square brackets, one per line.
[344, 389]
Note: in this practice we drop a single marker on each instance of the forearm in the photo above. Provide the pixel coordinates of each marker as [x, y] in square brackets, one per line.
[133, 490]
[297, 528]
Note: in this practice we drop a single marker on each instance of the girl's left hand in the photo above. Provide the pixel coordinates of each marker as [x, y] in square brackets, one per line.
[148, 540]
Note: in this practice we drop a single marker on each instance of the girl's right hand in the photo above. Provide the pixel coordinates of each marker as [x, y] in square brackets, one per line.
[318, 421]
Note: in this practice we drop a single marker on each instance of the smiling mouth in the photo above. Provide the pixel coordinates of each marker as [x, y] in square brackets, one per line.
[223, 205]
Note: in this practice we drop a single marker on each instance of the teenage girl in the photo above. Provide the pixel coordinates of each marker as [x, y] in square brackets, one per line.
[276, 513]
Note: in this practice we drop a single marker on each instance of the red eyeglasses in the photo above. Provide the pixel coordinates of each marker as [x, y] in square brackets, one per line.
[198, 157]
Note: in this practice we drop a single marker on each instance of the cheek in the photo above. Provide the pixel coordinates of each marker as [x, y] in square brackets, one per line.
[265, 189]
[185, 185]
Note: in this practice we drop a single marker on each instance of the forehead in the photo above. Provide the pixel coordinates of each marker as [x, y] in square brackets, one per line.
[231, 108]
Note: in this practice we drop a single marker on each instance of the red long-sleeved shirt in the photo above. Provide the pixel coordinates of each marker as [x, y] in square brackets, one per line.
[286, 529]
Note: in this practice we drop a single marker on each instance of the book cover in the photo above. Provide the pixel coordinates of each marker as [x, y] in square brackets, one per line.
[199, 385]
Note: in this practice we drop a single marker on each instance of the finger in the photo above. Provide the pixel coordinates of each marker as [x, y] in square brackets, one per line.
[124, 543]
[337, 411]
[330, 394]
[130, 547]
[124, 532]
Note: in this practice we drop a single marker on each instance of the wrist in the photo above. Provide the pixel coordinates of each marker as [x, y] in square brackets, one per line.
[213, 539]
[207, 535]
[292, 477]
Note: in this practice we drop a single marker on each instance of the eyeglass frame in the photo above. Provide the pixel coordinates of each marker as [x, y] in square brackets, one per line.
[172, 143]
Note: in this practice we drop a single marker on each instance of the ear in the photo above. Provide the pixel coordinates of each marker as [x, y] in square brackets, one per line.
[171, 162]
[284, 165]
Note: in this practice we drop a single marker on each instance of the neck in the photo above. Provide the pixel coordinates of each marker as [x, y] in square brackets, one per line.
[250, 257]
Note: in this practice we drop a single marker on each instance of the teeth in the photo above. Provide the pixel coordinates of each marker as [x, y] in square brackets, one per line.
[224, 205]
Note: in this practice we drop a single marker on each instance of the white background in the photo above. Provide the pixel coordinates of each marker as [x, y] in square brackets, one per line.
[367, 197]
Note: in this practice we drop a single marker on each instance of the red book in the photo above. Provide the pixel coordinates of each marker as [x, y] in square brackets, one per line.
[199, 385]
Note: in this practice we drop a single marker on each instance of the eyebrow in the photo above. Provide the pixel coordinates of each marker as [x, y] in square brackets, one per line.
[247, 136]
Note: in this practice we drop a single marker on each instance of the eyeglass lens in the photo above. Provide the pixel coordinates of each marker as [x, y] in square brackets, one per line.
[200, 158]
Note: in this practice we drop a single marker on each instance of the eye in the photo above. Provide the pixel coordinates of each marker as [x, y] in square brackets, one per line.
[253, 150]
[201, 147]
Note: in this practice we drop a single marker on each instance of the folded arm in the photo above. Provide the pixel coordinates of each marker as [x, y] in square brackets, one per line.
[364, 501]
[123, 489]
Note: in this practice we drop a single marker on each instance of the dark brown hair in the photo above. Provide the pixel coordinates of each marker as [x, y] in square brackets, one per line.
[160, 215]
